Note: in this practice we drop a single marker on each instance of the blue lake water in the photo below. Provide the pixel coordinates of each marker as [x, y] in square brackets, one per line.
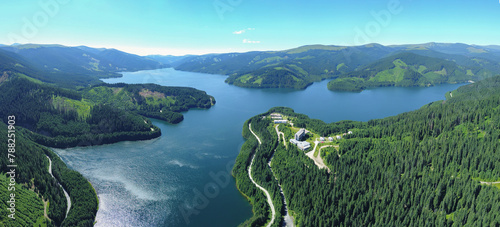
[181, 178]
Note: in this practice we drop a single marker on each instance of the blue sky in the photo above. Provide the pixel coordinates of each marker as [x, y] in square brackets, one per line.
[180, 27]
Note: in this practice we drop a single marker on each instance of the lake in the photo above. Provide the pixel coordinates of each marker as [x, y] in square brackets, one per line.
[181, 178]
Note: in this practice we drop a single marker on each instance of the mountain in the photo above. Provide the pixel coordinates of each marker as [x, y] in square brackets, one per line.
[12, 64]
[78, 66]
[168, 59]
[404, 69]
[82, 59]
[294, 68]
[98, 115]
[300, 67]
[491, 53]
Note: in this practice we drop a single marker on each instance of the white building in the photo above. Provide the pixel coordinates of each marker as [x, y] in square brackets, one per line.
[303, 145]
[339, 137]
[321, 138]
[330, 138]
[280, 121]
[300, 134]
[350, 132]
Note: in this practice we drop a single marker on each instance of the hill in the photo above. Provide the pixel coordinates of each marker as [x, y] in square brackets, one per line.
[36, 190]
[49, 111]
[294, 68]
[300, 67]
[434, 166]
[404, 69]
[99, 115]
[75, 66]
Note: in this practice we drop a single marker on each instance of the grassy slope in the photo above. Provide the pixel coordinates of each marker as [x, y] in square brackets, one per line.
[295, 68]
[404, 69]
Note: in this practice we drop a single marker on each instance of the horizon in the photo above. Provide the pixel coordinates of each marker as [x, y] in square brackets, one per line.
[145, 55]
[179, 28]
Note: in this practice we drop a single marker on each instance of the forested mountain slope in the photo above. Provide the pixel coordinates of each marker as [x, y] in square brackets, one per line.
[33, 182]
[74, 66]
[405, 69]
[50, 115]
[422, 168]
[299, 67]
[294, 68]
[99, 115]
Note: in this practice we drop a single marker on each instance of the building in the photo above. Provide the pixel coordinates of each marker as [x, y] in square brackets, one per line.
[280, 121]
[321, 138]
[330, 138]
[339, 137]
[300, 134]
[350, 132]
[303, 145]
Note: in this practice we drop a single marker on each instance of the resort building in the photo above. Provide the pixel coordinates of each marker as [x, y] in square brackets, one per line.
[350, 132]
[280, 121]
[321, 138]
[300, 134]
[339, 137]
[303, 145]
[330, 138]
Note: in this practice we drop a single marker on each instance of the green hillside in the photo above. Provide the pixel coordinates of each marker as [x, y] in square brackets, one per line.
[150, 100]
[300, 67]
[429, 167]
[34, 186]
[98, 115]
[50, 115]
[71, 66]
[404, 70]
[294, 68]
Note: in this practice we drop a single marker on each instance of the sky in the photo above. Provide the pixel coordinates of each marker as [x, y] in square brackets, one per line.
[179, 27]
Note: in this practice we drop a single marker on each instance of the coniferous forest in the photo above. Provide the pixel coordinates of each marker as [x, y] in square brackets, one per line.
[428, 167]
[48, 115]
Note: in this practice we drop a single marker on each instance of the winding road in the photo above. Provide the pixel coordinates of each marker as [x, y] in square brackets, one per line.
[318, 160]
[269, 200]
[489, 183]
[65, 193]
[279, 134]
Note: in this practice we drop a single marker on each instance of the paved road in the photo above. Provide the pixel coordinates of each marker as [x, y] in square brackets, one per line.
[269, 200]
[65, 193]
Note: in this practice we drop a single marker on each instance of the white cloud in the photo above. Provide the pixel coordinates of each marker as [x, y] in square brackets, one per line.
[243, 31]
[250, 41]
[239, 32]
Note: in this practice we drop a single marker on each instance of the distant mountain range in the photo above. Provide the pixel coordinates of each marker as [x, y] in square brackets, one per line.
[352, 68]
[71, 66]
[300, 67]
